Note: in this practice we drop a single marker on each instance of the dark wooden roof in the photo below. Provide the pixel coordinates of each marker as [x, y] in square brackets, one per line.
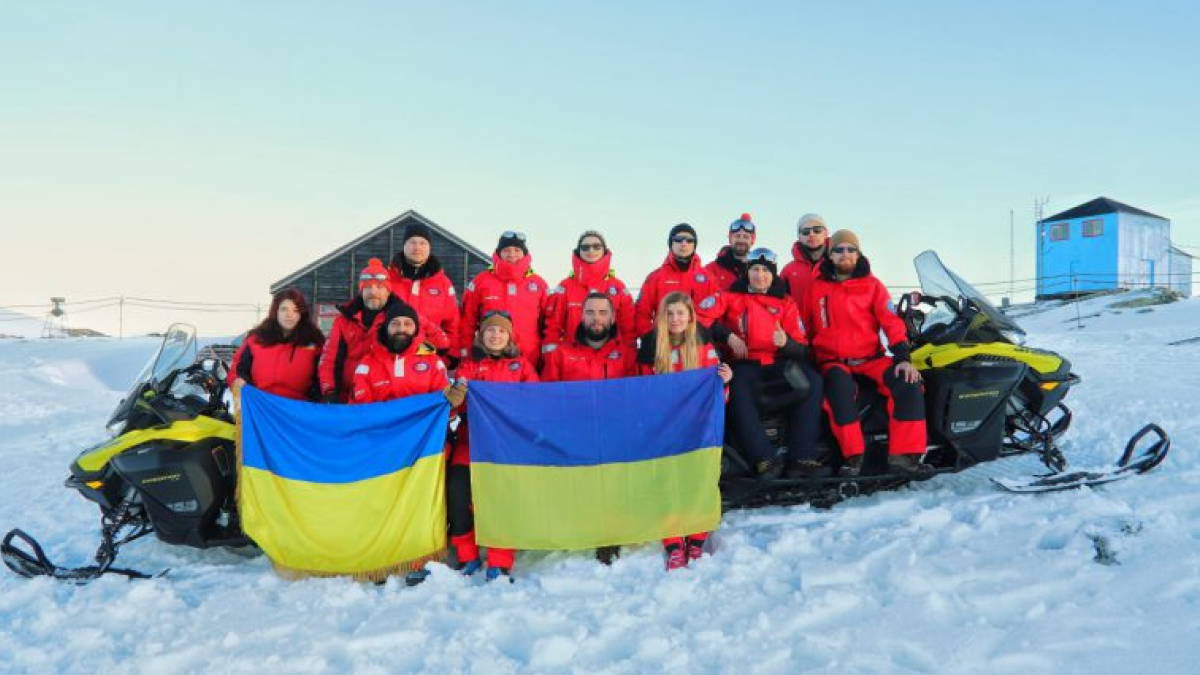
[331, 278]
[1098, 207]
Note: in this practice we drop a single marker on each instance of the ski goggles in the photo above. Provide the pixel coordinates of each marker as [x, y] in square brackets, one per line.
[844, 249]
[513, 234]
[741, 226]
[760, 256]
[366, 276]
[812, 229]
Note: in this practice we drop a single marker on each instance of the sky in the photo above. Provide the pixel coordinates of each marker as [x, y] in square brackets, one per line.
[198, 152]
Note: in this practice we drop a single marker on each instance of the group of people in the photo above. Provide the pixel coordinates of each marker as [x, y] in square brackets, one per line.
[815, 325]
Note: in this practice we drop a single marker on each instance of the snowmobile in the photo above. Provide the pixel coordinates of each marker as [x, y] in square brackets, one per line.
[170, 468]
[987, 396]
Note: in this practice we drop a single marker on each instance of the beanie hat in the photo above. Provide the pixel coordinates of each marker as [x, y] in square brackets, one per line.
[511, 238]
[399, 308]
[417, 230]
[844, 237]
[682, 227]
[744, 224]
[373, 273]
[810, 219]
[497, 319]
[591, 233]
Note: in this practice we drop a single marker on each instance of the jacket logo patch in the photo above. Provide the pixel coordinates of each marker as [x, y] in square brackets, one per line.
[512, 288]
[773, 310]
[824, 311]
[612, 290]
[421, 367]
[709, 302]
[700, 278]
[362, 369]
[434, 291]
[533, 287]
[614, 355]
[514, 366]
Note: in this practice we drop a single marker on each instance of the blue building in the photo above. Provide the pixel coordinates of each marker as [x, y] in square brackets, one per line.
[1105, 245]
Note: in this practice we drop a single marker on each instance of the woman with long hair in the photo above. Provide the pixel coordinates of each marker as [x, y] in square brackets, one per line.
[280, 354]
[676, 344]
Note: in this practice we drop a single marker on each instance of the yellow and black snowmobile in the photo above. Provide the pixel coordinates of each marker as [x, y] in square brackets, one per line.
[170, 467]
[987, 396]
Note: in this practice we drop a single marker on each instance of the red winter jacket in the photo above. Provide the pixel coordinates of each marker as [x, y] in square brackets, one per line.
[383, 376]
[725, 269]
[484, 368]
[511, 287]
[430, 292]
[349, 341]
[695, 281]
[564, 305]
[799, 274]
[574, 361]
[753, 317]
[284, 369]
[844, 317]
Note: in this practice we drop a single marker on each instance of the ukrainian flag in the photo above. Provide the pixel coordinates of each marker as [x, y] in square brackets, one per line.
[343, 489]
[576, 465]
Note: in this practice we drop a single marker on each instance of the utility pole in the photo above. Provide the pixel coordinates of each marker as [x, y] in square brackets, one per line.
[1039, 207]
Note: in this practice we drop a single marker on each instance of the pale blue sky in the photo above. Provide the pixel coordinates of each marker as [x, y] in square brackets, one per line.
[202, 151]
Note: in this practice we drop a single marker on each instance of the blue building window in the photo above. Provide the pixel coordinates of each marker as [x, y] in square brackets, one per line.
[1093, 228]
[1060, 232]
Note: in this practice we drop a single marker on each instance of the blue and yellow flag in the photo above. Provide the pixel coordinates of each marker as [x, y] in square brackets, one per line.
[576, 465]
[343, 489]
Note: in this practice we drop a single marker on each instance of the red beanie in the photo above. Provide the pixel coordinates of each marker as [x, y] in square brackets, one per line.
[373, 273]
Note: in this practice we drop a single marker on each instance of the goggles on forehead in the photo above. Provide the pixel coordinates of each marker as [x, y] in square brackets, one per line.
[513, 234]
[741, 226]
[762, 255]
[366, 276]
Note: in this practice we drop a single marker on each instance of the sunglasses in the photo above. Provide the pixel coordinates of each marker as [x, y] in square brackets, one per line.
[513, 234]
[497, 312]
[591, 247]
[845, 249]
[815, 229]
[683, 240]
[372, 277]
[762, 255]
[741, 226]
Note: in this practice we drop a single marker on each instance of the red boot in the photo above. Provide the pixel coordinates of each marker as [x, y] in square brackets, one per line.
[676, 557]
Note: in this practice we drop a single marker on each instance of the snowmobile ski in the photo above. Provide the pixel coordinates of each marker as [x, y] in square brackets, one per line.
[34, 563]
[1128, 465]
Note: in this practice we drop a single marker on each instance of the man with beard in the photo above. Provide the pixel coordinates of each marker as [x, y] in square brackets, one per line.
[416, 277]
[401, 363]
[731, 260]
[811, 247]
[845, 310]
[352, 333]
[594, 354]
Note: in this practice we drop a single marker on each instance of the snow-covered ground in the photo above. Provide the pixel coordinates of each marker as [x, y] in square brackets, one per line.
[949, 576]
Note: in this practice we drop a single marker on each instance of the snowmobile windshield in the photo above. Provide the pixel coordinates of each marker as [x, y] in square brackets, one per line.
[177, 350]
[938, 281]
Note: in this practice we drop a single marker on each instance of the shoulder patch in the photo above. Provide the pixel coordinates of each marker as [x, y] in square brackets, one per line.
[362, 369]
[559, 289]
[891, 307]
[546, 349]
[471, 285]
[450, 290]
[712, 353]
[533, 287]
[612, 290]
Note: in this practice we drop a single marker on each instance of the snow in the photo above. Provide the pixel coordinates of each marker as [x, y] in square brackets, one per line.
[948, 576]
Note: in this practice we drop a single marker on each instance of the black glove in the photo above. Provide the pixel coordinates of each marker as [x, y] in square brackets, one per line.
[901, 353]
